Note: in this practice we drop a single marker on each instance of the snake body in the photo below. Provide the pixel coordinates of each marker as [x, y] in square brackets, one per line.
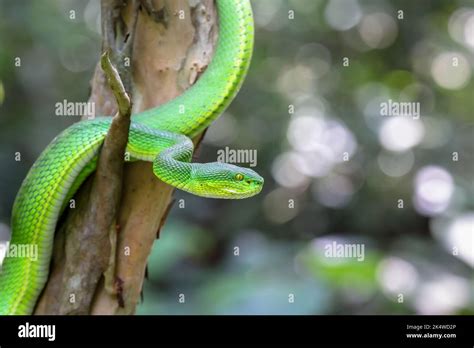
[160, 135]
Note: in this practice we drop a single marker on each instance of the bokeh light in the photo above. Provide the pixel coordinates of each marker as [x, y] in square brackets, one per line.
[443, 295]
[456, 233]
[461, 237]
[92, 16]
[378, 30]
[342, 14]
[334, 191]
[265, 13]
[277, 206]
[315, 56]
[434, 187]
[451, 70]
[469, 30]
[397, 276]
[396, 164]
[287, 170]
[297, 80]
[461, 26]
[400, 133]
[304, 132]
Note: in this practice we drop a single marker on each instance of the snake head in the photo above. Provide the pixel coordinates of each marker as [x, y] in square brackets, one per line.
[223, 180]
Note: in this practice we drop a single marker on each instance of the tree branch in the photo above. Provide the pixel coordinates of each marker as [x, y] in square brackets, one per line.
[170, 49]
[89, 232]
[161, 72]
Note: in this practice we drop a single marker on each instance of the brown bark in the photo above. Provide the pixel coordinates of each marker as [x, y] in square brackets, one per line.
[174, 41]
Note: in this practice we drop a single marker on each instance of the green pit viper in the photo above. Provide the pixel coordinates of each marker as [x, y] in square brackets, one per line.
[160, 135]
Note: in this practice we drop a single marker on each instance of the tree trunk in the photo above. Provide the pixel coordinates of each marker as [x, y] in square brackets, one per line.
[171, 43]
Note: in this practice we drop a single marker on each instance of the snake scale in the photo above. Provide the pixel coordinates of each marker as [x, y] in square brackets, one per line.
[160, 135]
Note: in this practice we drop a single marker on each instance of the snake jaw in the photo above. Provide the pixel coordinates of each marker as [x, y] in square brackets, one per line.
[255, 188]
[227, 189]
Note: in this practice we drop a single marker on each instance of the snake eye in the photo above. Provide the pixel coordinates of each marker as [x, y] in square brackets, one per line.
[239, 177]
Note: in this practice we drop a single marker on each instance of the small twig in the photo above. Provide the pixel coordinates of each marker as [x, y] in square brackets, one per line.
[116, 85]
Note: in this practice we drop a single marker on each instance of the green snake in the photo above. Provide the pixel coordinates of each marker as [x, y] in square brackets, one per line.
[160, 135]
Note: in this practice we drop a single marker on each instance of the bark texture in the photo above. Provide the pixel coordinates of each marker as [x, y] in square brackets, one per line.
[160, 47]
